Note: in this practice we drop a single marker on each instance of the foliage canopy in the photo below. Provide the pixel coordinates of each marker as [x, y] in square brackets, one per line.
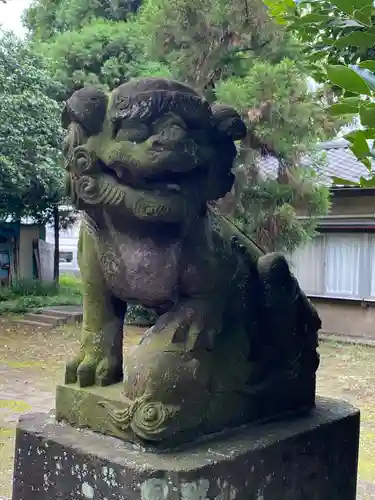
[340, 37]
[230, 51]
[102, 53]
[30, 133]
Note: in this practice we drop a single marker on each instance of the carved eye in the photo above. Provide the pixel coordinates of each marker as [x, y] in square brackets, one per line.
[169, 128]
[129, 130]
[169, 120]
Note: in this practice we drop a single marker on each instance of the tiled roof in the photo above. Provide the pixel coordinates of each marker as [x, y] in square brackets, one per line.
[340, 162]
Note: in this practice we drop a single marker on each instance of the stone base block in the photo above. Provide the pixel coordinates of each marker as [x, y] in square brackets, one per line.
[312, 457]
[80, 406]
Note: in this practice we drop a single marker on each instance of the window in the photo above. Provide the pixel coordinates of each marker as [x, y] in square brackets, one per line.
[306, 265]
[342, 265]
[66, 257]
[337, 265]
[371, 266]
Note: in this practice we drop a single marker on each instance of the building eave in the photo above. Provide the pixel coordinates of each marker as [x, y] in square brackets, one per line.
[352, 191]
[342, 222]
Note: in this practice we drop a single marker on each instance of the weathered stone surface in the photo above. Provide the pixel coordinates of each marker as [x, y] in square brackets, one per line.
[307, 458]
[105, 410]
[235, 338]
[83, 406]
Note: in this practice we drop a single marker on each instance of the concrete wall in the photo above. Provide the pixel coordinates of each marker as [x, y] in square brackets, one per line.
[344, 317]
[349, 317]
[353, 205]
[27, 235]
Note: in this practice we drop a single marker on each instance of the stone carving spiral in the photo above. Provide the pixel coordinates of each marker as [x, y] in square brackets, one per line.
[146, 207]
[82, 162]
[98, 191]
[146, 419]
[150, 418]
[88, 190]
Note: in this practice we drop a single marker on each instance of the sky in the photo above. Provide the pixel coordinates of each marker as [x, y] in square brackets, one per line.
[10, 15]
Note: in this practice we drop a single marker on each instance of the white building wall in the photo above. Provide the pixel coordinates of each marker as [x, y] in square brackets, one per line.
[68, 246]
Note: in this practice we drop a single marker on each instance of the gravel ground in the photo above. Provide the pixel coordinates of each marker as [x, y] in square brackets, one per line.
[31, 363]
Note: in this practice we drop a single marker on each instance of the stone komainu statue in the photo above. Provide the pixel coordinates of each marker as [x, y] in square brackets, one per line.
[236, 338]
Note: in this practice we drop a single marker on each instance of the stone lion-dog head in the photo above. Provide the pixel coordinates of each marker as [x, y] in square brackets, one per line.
[154, 149]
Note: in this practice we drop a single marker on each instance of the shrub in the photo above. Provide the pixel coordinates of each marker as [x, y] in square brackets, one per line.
[69, 283]
[138, 315]
[27, 287]
[25, 295]
[21, 305]
[6, 293]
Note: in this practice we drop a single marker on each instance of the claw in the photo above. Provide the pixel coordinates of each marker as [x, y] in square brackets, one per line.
[71, 370]
[88, 371]
[109, 371]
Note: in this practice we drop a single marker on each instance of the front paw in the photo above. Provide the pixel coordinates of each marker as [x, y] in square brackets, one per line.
[94, 370]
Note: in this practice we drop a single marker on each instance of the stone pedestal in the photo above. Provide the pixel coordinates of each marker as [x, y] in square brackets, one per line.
[312, 457]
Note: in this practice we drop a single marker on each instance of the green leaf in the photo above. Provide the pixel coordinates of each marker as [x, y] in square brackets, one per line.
[367, 163]
[316, 55]
[280, 4]
[348, 6]
[318, 76]
[367, 115]
[368, 134]
[364, 15]
[343, 182]
[346, 78]
[279, 10]
[367, 76]
[352, 101]
[356, 39]
[311, 19]
[327, 41]
[342, 108]
[367, 183]
[345, 23]
[367, 65]
[360, 148]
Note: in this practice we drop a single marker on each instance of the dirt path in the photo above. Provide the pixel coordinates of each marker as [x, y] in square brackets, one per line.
[31, 364]
[348, 372]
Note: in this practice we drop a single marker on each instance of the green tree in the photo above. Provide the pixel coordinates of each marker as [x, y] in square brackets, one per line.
[47, 18]
[209, 41]
[90, 42]
[288, 120]
[226, 50]
[234, 52]
[102, 53]
[30, 133]
[274, 98]
[340, 42]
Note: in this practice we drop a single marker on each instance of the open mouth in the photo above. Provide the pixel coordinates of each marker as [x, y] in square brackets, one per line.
[172, 182]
